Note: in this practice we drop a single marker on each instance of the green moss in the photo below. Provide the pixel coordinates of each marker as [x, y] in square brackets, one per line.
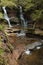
[1, 15]
[10, 46]
[1, 51]
[2, 61]
[1, 27]
[36, 15]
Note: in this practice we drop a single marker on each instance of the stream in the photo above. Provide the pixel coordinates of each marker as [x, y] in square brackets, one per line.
[6, 16]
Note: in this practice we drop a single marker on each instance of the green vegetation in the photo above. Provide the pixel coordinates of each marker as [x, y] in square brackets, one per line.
[3, 61]
[7, 3]
[1, 15]
[10, 47]
[1, 27]
[37, 14]
[1, 51]
[35, 6]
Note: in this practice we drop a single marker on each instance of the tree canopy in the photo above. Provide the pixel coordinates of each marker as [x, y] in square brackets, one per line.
[35, 5]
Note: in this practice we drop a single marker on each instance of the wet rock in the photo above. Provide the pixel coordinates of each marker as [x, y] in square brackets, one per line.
[33, 45]
[35, 58]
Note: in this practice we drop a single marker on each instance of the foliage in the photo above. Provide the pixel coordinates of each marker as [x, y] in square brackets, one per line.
[37, 14]
[1, 27]
[7, 3]
[1, 15]
[3, 61]
[1, 51]
[35, 5]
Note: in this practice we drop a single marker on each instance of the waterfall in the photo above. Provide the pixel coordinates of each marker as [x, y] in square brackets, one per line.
[6, 16]
[23, 22]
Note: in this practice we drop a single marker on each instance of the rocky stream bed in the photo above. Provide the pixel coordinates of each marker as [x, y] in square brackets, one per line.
[14, 47]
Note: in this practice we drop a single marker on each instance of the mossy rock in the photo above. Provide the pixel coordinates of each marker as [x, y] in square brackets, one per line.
[1, 51]
[1, 27]
[31, 30]
[1, 15]
[3, 61]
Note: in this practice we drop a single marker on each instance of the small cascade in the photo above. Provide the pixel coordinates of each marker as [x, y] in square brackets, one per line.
[23, 22]
[6, 16]
[27, 51]
[22, 33]
[32, 47]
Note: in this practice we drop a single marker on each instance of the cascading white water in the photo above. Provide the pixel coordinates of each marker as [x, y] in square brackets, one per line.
[33, 46]
[6, 16]
[23, 22]
[28, 52]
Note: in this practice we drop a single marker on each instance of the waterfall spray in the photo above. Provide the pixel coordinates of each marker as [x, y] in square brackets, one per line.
[6, 16]
[23, 22]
